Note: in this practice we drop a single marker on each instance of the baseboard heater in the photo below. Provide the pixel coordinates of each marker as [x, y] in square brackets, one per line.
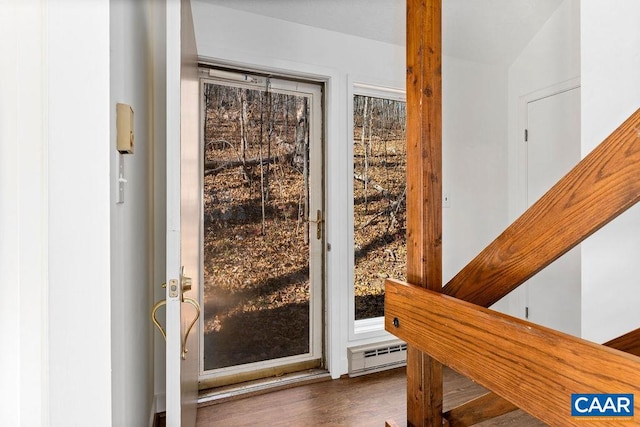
[376, 357]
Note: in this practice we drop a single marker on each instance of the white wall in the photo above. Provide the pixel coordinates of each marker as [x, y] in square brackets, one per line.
[474, 159]
[131, 221]
[77, 108]
[24, 388]
[479, 142]
[63, 242]
[550, 58]
[610, 40]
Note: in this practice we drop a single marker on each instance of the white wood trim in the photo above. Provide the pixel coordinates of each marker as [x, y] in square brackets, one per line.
[364, 330]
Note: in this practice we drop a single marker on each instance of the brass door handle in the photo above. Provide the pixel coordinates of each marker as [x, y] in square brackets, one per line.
[155, 320]
[191, 301]
[196, 305]
[186, 286]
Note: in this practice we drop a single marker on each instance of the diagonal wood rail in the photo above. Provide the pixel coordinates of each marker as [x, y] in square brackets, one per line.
[629, 343]
[613, 177]
[534, 367]
[598, 189]
[485, 407]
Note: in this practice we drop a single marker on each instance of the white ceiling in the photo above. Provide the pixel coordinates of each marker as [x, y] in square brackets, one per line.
[491, 31]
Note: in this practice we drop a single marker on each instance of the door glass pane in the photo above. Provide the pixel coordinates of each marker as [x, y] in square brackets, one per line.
[256, 246]
[379, 187]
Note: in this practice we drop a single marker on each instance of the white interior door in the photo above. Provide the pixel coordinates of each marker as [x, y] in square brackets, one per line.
[553, 148]
[181, 293]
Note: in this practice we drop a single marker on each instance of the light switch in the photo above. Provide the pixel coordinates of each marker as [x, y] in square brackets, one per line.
[124, 128]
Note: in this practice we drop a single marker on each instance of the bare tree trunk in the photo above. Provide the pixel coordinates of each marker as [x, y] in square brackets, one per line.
[243, 134]
[286, 118]
[306, 165]
[269, 132]
[364, 150]
[262, 183]
[243, 125]
[301, 130]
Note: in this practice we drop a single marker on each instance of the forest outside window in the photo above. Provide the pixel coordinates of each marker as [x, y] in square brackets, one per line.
[379, 195]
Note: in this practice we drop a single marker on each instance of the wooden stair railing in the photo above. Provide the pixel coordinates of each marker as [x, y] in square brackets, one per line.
[535, 368]
[602, 186]
[491, 405]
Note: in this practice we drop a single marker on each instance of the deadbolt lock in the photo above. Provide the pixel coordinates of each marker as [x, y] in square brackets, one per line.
[186, 283]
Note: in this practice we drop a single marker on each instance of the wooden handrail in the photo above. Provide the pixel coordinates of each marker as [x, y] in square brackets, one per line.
[629, 343]
[598, 189]
[534, 367]
[491, 405]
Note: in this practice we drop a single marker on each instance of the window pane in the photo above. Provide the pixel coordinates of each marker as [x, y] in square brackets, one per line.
[256, 246]
[379, 165]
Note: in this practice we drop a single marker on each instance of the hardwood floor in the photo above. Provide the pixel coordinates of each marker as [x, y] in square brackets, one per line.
[363, 401]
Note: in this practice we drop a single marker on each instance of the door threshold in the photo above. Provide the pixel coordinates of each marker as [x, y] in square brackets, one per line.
[253, 388]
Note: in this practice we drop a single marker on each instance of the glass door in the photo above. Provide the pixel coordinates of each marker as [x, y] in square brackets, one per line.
[262, 242]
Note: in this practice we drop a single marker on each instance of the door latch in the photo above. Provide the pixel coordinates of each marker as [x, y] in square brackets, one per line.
[318, 222]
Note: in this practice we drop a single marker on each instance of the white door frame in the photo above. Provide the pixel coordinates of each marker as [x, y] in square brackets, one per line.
[519, 297]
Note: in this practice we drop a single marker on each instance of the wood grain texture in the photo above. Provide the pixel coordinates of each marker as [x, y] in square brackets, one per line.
[535, 368]
[629, 343]
[485, 407]
[424, 191]
[424, 143]
[598, 189]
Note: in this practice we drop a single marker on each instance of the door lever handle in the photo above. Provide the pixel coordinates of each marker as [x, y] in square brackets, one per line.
[155, 320]
[196, 305]
[188, 300]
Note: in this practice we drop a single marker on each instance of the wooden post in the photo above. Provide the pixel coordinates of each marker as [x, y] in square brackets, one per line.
[424, 192]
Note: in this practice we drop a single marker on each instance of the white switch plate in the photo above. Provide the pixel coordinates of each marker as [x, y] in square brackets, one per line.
[120, 179]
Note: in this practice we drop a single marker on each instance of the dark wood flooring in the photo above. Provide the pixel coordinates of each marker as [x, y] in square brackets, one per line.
[364, 401]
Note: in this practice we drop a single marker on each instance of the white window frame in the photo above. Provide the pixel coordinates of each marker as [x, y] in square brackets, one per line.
[365, 329]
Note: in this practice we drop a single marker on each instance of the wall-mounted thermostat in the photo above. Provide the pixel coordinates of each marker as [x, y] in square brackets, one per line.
[124, 128]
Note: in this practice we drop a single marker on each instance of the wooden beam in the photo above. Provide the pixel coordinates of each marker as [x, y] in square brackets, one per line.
[424, 192]
[629, 343]
[491, 405]
[480, 409]
[535, 368]
[602, 186]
